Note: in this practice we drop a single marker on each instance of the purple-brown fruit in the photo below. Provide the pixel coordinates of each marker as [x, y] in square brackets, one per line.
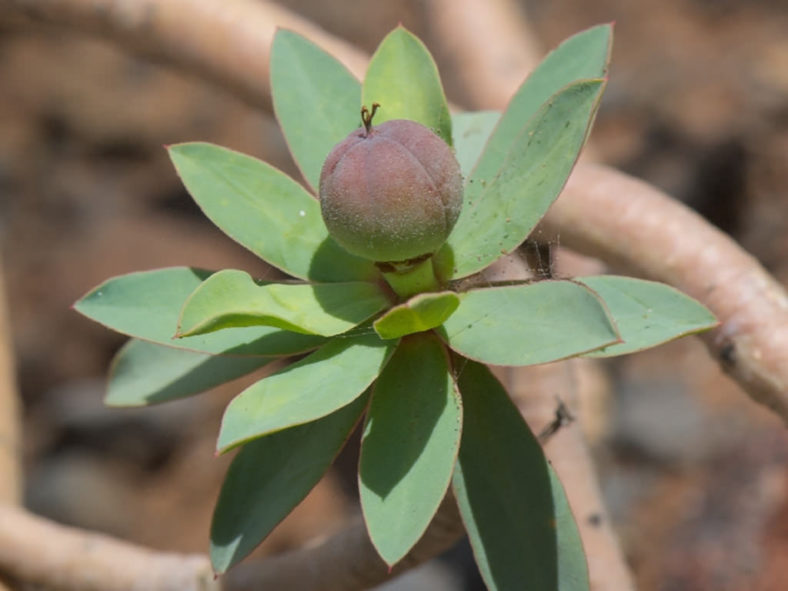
[391, 192]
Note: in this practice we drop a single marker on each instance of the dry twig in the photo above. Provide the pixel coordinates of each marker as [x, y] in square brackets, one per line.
[35, 550]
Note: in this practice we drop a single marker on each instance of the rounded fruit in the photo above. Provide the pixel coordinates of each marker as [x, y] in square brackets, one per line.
[391, 192]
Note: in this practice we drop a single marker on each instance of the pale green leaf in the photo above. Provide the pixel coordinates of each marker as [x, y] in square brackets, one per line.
[316, 100]
[146, 305]
[231, 299]
[265, 211]
[403, 78]
[319, 384]
[647, 313]
[422, 312]
[409, 445]
[529, 324]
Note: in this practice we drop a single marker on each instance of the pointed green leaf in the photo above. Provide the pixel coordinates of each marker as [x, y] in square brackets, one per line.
[471, 131]
[269, 477]
[529, 324]
[501, 208]
[403, 78]
[265, 211]
[514, 509]
[326, 380]
[146, 305]
[583, 56]
[409, 445]
[647, 313]
[231, 299]
[316, 100]
[419, 313]
[145, 373]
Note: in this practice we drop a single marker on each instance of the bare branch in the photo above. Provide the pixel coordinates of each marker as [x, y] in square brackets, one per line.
[610, 215]
[225, 42]
[489, 36]
[35, 550]
[10, 446]
[347, 561]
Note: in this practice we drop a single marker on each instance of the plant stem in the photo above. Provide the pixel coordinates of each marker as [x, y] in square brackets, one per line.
[412, 279]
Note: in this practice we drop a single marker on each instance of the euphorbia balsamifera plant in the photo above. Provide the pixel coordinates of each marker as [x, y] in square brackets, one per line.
[390, 333]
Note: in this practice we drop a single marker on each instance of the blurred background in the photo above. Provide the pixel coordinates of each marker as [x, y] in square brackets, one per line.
[693, 472]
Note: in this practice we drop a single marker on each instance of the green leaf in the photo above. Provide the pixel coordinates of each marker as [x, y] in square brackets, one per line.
[265, 211]
[419, 313]
[403, 78]
[269, 477]
[409, 445]
[147, 305]
[583, 56]
[529, 324]
[231, 299]
[326, 380]
[514, 510]
[144, 373]
[316, 100]
[647, 313]
[501, 207]
[471, 131]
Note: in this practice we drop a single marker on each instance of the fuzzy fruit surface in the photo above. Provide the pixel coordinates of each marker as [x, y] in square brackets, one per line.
[391, 193]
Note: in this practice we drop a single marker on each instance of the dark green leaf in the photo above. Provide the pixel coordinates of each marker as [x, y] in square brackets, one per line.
[647, 313]
[419, 313]
[529, 324]
[265, 211]
[316, 100]
[519, 524]
[269, 477]
[145, 373]
[409, 445]
[328, 379]
[147, 305]
[231, 299]
[403, 78]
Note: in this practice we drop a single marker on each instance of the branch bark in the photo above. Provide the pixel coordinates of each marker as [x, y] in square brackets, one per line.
[226, 43]
[10, 446]
[35, 550]
[626, 222]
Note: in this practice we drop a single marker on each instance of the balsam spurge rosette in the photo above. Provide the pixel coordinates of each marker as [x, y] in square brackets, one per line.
[403, 202]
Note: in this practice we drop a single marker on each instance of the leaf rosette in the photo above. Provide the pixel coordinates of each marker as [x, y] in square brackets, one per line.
[402, 355]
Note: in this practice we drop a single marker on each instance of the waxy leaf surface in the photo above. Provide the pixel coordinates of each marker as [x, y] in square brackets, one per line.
[528, 324]
[265, 211]
[316, 100]
[328, 379]
[409, 445]
[145, 373]
[502, 206]
[419, 313]
[647, 313]
[403, 78]
[514, 509]
[583, 56]
[269, 477]
[231, 299]
[471, 132]
[146, 305]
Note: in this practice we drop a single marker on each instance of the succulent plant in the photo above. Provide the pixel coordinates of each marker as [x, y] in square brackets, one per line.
[391, 192]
